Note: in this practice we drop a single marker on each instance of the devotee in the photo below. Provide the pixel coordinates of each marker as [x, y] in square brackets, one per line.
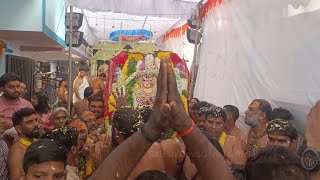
[67, 137]
[282, 133]
[193, 101]
[63, 93]
[11, 101]
[275, 163]
[45, 159]
[88, 76]
[281, 113]
[215, 123]
[90, 120]
[40, 102]
[284, 114]
[257, 116]
[98, 84]
[165, 155]
[60, 116]
[168, 111]
[4, 174]
[90, 153]
[82, 105]
[79, 85]
[96, 106]
[23, 90]
[25, 122]
[232, 113]
[194, 113]
[201, 117]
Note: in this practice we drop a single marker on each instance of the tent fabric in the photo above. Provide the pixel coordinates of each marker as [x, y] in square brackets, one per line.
[262, 49]
[98, 25]
[156, 8]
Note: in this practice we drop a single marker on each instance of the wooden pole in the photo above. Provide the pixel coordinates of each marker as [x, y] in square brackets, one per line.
[70, 91]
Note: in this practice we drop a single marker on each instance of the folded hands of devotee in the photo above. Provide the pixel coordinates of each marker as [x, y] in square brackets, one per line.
[168, 110]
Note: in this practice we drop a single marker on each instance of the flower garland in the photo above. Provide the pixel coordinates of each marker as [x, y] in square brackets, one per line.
[222, 138]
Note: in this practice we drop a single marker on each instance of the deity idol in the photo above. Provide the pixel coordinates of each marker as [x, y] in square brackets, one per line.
[146, 87]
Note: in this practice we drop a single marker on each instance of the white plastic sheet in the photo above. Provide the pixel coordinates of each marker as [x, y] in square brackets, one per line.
[262, 49]
[156, 8]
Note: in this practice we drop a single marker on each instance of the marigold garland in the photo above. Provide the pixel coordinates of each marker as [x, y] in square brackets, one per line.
[222, 138]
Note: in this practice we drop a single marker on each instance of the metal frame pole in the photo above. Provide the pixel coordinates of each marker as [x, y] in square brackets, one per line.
[70, 93]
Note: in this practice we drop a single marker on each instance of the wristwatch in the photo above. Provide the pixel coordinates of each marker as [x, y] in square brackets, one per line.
[310, 159]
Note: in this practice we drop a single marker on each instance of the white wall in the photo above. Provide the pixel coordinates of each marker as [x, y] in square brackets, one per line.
[55, 17]
[260, 49]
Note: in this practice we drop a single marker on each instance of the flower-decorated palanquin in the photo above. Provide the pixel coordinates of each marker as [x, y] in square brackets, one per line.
[136, 74]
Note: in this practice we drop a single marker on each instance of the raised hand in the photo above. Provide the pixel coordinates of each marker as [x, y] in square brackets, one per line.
[312, 132]
[121, 99]
[179, 120]
[159, 120]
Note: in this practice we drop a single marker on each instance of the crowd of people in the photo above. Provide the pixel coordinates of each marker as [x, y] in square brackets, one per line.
[39, 141]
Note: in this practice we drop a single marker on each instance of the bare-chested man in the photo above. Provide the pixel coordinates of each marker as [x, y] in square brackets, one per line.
[231, 128]
[26, 123]
[88, 76]
[79, 85]
[215, 124]
[98, 83]
[258, 115]
[63, 93]
[82, 105]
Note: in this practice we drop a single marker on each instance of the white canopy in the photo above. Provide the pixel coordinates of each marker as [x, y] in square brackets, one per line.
[105, 16]
[156, 8]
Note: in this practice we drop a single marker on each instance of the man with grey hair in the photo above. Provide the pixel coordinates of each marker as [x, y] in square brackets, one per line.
[60, 116]
[257, 116]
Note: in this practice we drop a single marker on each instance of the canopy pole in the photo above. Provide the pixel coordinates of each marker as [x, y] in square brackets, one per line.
[194, 75]
[70, 84]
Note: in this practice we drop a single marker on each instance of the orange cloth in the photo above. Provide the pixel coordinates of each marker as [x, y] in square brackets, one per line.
[87, 115]
[79, 125]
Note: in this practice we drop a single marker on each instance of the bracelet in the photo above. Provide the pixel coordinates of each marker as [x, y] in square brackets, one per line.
[146, 135]
[188, 131]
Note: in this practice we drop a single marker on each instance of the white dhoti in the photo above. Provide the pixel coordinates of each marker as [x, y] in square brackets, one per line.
[82, 87]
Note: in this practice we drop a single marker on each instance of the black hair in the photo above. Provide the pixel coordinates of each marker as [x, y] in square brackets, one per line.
[96, 97]
[18, 116]
[281, 113]
[43, 151]
[216, 112]
[88, 92]
[66, 136]
[196, 99]
[127, 121]
[4, 79]
[145, 113]
[87, 69]
[82, 69]
[61, 81]
[154, 175]
[43, 102]
[233, 110]
[265, 107]
[102, 75]
[214, 142]
[201, 104]
[276, 163]
[282, 128]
